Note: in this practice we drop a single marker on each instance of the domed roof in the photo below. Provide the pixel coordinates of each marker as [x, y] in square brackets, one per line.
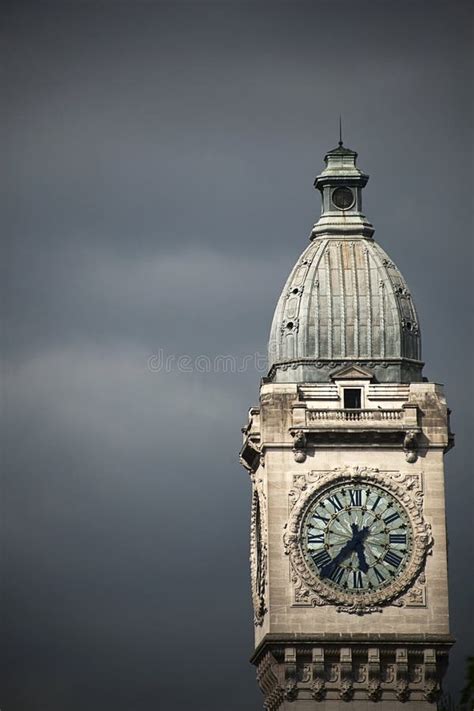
[345, 301]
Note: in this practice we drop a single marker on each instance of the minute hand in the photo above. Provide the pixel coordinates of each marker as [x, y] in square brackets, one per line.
[348, 548]
[355, 544]
[359, 549]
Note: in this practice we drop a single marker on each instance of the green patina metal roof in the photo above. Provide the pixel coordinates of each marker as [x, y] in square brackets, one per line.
[345, 301]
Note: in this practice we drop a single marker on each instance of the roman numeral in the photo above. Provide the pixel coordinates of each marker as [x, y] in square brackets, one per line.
[398, 538]
[336, 574]
[357, 579]
[392, 558]
[335, 502]
[322, 558]
[356, 497]
[392, 517]
[378, 575]
[315, 537]
[320, 518]
[376, 503]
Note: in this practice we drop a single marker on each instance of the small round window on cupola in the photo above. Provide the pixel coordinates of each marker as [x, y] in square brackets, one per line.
[343, 198]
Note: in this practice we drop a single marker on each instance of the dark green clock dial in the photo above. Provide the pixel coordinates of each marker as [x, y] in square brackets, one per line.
[357, 538]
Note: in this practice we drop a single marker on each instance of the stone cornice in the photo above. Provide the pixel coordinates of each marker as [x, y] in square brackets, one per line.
[336, 639]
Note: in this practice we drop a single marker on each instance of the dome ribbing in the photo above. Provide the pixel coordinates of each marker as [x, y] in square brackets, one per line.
[345, 301]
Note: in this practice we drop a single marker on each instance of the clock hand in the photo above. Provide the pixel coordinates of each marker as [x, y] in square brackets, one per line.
[361, 556]
[364, 532]
[355, 544]
[343, 553]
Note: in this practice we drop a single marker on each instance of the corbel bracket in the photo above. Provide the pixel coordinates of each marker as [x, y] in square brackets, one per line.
[299, 445]
[318, 684]
[250, 456]
[291, 683]
[410, 445]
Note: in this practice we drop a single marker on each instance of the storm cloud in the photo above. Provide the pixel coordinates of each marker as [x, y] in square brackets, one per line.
[159, 160]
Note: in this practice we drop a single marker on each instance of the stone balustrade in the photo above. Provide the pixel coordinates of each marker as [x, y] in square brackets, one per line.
[398, 418]
[353, 415]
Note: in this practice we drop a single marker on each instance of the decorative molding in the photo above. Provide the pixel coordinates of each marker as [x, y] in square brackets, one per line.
[346, 692]
[415, 596]
[380, 673]
[267, 678]
[294, 291]
[358, 609]
[402, 690]
[299, 445]
[432, 686]
[410, 446]
[402, 687]
[318, 689]
[374, 690]
[309, 589]
[374, 686]
[258, 553]
[304, 673]
[318, 686]
[410, 365]
[290, 691]
[416, 674]
[305, 596]
[352, 372]
[289, 326]
[250, 455]
[388, 673]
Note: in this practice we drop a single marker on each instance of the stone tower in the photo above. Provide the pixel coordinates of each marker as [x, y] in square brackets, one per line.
[345, 453]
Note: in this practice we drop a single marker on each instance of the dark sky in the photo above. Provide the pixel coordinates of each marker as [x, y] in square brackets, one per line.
[159, 160]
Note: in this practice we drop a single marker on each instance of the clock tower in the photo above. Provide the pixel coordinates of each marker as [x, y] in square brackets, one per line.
[345, 454]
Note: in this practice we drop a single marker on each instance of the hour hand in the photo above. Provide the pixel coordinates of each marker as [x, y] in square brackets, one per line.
[361, 556]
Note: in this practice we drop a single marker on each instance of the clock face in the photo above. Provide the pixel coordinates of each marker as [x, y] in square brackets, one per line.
[343, 198]
[357, 537]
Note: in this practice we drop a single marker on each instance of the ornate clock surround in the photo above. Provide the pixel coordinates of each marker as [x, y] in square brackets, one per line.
[404, 487]
[258, 554]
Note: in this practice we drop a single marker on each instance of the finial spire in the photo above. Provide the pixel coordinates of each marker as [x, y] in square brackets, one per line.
[340, 130]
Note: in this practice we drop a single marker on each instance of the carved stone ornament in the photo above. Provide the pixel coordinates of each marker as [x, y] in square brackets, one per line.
[299, 445]
[304, 673]
[318, 689]
[388, 673]
[305, 596]
[360, 673]
[346, 691]
[258, 555]
[290, 692]
[432, 687]
[432, 690]
[374, 689]
[356, 609]
[402, 689]
[415, 597]
[410, 446]
[290, 326]
[306, 580]
[269, 683]
[416, 674]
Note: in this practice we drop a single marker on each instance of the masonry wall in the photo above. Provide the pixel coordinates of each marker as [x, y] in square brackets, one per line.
[278, 473]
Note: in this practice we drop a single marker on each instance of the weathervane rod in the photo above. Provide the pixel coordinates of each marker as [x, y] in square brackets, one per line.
[340, 130]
